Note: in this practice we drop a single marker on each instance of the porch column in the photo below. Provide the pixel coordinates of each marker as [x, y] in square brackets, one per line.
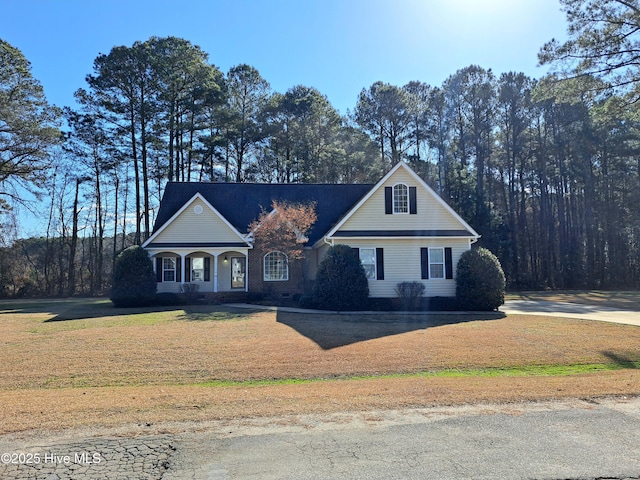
[246, 271]
[215, 272]
[183, 268]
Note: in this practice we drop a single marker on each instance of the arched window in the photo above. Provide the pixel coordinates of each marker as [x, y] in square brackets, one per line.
[276, 267]
[400, 198]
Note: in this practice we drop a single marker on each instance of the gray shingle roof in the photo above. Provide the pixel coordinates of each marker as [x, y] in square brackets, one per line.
[240, 203]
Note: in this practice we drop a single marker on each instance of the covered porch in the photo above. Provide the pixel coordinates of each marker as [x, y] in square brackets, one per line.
[209, 269]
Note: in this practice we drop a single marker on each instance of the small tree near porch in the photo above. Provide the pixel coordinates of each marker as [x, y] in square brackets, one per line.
[284, 229]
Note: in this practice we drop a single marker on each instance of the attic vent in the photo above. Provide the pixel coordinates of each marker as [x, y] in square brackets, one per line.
[198, 209]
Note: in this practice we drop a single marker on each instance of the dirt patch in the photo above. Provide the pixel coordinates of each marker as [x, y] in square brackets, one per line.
[147, 368]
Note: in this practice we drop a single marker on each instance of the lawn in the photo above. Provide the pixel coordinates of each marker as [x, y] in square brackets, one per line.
[82, 363]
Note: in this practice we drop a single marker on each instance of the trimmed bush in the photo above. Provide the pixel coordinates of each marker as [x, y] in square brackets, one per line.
[443, 304]
[480, 281]
[341, 282]
[168, 299]
[306, 301]
[190, 291]
[410, 294]
[134, 282]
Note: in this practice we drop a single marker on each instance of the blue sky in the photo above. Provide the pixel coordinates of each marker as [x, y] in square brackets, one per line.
[337, 46]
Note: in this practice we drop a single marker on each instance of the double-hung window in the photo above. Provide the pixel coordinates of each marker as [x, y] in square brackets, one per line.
[436, 263]
[368, 260]
[169, 269]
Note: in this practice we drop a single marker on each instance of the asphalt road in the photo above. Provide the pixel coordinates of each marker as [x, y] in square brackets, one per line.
[574, 440]
[551, 440]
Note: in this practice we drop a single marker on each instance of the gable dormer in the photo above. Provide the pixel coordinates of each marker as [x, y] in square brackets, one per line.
[402, 205]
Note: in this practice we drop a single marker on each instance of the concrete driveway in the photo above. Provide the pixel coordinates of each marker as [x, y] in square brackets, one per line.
[571, 310]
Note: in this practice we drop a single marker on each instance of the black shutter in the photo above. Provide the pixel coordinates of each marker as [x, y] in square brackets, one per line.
[187, 269]
[448, 263]
[413, 204]
[379, 264]
[207, 269]
[178, 269]
[388, 200]
[158, 269]
[424, 263]
[356, 250]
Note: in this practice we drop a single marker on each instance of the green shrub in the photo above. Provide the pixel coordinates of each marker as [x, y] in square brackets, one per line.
[443, 304]
[306, 301]
[341, 283]
[480, 282]
[410, 294]
[134, 282]
[168, 299]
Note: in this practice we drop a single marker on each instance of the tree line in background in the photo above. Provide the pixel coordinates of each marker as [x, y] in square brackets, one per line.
[546, 170]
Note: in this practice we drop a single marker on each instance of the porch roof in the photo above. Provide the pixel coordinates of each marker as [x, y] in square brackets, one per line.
[192, 245]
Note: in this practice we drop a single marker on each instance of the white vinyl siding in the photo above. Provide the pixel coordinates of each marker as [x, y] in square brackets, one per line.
[192, 227]
[402, 264]
[430, 215]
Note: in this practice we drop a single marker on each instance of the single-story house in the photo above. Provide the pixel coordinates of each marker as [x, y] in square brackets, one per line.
[402, 229]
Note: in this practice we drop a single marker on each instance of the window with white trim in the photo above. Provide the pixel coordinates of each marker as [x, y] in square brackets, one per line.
[368, 260]
[436, 263]
[169, 269]
[400, 198]
[276, 267]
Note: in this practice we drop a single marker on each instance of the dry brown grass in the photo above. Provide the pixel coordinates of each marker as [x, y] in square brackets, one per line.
[75, 363]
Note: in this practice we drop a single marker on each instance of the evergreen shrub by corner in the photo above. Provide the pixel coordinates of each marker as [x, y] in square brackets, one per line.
[480, 281]
[341, 282]
[134, 282]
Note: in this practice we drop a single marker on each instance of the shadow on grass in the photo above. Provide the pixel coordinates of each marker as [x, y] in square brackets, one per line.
[337, 330]
[628, 362]
[62, 310]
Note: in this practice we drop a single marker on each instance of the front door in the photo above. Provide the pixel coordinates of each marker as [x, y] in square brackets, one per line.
[238, 272]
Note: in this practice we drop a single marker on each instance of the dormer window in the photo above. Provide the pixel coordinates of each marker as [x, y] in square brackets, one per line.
[400, 198]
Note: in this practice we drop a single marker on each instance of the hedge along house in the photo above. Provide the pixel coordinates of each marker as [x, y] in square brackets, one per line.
[402, 230]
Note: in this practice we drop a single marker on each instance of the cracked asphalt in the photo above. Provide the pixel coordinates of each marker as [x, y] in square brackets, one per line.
[552, 440]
